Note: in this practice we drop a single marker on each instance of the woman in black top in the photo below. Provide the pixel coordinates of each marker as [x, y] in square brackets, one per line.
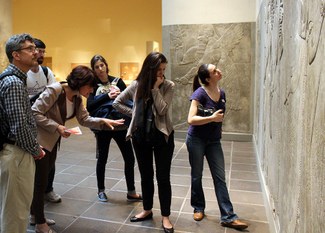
[99, 105]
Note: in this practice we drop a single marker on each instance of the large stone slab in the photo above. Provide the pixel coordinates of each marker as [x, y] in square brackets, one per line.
[229, 46]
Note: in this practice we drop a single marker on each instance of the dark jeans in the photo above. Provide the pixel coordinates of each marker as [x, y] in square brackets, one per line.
[103, 139]
[163, 153]
[212, 150]
[43, 166]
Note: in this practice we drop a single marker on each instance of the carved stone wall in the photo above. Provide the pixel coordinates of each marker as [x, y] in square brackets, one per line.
[289, 125]
[226, 45]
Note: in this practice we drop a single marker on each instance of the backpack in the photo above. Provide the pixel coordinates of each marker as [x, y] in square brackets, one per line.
[9, 73]
[46, 72]
[32, 100]
[2, 137]
[35, 97]
[5, 74]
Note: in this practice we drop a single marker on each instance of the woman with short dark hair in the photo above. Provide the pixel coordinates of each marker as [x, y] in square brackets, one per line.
[60, 102]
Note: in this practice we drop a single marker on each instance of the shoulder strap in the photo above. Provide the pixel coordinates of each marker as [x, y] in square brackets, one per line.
[62, 104]
[46, 72]
[115, 81]
[5, 74]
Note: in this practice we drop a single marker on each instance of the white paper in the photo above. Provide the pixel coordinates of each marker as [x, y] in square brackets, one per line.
[74, 130]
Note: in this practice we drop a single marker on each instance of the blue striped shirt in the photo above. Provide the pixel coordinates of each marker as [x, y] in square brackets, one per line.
[17, 121]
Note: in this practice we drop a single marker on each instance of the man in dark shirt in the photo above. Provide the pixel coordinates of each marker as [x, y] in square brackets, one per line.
[18, 132]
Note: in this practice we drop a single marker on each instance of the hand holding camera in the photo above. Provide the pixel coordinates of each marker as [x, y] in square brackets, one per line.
[114, 91]
[218, 116]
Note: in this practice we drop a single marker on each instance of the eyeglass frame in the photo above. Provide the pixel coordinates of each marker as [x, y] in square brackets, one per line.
[41, 50]
[31, 49]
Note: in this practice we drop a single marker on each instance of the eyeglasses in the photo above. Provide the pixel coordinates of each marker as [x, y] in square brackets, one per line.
[41, 51]
[31, 49]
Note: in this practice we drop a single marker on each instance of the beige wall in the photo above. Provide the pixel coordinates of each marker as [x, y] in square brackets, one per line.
[76, 30]
[208, 11]
[5, 30]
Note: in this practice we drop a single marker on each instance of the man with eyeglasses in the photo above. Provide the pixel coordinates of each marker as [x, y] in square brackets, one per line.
[38, 77]
[19, 147]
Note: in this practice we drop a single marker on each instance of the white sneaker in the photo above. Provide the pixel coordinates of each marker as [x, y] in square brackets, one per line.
[33, 223]
[53, 197]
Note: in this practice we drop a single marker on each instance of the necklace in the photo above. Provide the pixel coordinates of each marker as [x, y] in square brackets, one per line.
[213, 94]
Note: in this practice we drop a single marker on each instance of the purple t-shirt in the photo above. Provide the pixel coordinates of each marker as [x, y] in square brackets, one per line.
[212, 130]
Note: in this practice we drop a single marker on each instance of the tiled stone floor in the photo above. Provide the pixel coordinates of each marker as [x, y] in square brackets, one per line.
[80, 212]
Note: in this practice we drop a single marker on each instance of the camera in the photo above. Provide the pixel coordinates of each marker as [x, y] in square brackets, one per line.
[201, 111]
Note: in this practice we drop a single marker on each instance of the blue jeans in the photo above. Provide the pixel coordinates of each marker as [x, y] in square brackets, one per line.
[197, 149]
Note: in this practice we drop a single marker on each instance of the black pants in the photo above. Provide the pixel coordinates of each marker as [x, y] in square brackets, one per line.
[50, 181]
[43, 166]
[163, 153]
[103, 139]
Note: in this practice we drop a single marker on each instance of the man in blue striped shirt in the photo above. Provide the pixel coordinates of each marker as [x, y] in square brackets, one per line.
[18, 132]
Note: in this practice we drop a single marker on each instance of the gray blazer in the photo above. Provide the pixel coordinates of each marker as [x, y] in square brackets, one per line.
[162, 99]
[49, 111]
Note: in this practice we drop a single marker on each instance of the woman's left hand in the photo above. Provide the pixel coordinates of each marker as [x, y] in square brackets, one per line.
[217, 116]
[111, 123]
[113, 93]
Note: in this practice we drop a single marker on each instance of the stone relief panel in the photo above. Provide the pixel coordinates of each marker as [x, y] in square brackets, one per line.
[226, 45]
[290, 126]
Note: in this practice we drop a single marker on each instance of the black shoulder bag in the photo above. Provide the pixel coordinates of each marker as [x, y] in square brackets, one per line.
[145, 123]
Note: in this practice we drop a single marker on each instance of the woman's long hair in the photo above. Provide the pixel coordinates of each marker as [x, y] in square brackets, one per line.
[148, 74]
[93, 61]
[97, 58]
[201, 77]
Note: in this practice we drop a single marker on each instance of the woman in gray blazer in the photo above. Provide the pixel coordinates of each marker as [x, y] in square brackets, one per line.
[58, 103]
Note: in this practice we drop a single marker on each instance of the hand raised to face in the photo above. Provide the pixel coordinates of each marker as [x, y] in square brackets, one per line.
[159, 81]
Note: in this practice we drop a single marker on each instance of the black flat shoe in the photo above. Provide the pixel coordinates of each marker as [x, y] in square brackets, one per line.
[168, 230]
[133, 199]
[135, 219]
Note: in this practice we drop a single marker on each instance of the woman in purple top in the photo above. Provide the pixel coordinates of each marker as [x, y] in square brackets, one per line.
[203, 139]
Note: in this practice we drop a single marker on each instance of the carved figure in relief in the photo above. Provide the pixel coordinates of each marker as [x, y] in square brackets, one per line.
[316, 9]
[212, 45]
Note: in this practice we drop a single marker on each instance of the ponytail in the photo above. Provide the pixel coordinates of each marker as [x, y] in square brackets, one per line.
[196, 83]
[201, 76]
